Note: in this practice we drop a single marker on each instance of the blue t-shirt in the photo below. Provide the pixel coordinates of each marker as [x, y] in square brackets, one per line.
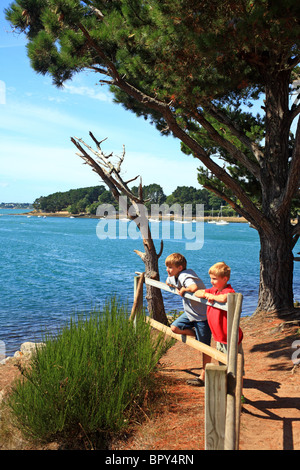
[195, 311]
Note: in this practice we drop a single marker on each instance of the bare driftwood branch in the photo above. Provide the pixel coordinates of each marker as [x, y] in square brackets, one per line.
[110, 173]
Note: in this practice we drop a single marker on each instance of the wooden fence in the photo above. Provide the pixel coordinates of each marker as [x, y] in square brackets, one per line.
[223, 382]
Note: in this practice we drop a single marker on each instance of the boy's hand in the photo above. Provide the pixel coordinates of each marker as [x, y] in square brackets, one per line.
[209, 296]
[181, 291]
[170, 285]
[200, 293]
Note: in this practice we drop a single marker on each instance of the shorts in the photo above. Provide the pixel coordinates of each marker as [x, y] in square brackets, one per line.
[202, 329]
[222, 347]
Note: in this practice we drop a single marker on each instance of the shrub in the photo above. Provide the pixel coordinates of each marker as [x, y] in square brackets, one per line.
[90, 376]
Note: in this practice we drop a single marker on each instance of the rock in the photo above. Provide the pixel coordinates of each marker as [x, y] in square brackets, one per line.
[5, 360]
[27, 349]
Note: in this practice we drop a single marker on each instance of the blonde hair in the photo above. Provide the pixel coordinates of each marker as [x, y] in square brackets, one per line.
[176, 259]
[220, 270]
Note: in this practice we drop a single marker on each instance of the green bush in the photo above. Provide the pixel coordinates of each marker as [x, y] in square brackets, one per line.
[89, 377]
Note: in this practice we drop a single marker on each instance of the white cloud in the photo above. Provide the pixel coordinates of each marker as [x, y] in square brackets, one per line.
[44, 125]
[43, 163]
[35, 148]
[88, 92]
[20, 115]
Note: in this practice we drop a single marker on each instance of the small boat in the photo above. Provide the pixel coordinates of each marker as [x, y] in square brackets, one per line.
[220, 221]
[211, 221]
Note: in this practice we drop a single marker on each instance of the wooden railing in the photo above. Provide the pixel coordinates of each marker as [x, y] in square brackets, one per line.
[223, 383]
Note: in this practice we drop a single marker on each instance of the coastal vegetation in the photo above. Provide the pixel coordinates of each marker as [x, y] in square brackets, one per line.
[90, 379]
[88, 199]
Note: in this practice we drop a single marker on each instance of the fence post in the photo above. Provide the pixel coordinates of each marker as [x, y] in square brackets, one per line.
[138, 284]
[238, 394]
[233, 319]
[215, 406]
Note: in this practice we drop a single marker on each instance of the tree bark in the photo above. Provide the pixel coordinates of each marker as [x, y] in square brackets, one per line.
[276, 273]
[154, 296]
[276, 255]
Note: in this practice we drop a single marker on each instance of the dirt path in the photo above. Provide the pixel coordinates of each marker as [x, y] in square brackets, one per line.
[270, 419]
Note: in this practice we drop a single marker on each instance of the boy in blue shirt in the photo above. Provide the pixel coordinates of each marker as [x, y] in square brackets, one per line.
[193, 322]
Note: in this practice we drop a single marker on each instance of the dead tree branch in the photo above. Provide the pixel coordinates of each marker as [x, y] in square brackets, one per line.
[110, 173]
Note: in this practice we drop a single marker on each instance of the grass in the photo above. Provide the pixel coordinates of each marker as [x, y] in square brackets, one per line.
[88, 379]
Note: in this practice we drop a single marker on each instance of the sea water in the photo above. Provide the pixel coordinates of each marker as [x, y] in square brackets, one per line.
[54, 267]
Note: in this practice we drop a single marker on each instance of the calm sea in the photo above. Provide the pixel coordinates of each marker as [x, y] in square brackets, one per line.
[53, 267]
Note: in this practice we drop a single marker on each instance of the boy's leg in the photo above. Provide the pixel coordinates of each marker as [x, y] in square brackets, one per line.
[183, 326]
[203, 334]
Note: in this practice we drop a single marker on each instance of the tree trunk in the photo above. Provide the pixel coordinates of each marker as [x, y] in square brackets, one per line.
[276, 255]
[154, 296]
[276, 273]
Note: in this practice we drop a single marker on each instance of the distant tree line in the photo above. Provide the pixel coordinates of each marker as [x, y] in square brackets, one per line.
[15, 205]
[86, 200]
[74, 201]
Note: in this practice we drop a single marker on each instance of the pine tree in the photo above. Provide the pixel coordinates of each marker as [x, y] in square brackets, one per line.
[192, 68]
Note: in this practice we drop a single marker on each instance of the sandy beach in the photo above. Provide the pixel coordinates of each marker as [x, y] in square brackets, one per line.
[92, 216]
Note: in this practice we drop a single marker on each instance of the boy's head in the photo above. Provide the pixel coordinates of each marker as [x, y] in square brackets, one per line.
[175, 263]
[219, 275]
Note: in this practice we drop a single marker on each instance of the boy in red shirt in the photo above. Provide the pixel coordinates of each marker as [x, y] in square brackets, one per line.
[217, 318]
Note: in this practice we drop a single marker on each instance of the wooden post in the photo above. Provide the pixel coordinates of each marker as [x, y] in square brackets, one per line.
[233, 314]
[138, 283]
[215, 406]
[238, 394]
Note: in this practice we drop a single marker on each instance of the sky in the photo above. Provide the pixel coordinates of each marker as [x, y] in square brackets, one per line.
[37, 120]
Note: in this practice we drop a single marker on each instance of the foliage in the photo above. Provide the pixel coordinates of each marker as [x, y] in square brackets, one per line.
[79, 200]
[153, 193]
[89, 377]
[76, 200]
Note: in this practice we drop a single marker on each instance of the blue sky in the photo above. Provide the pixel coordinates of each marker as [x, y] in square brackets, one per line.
[37, 120]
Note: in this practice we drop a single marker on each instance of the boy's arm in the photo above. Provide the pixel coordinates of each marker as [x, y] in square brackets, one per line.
[219, 298]
[200, 293]
[168, 282]
[192, 288]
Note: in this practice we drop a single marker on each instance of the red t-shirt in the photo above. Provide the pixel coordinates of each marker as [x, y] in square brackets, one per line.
[217, 318]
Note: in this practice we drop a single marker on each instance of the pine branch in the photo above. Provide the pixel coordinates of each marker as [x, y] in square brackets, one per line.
[163, 108]
[232, 203]
[221, 117]
[237, 154]
[98, 70]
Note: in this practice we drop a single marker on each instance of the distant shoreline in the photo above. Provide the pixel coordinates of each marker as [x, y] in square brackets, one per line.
[66, 214]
